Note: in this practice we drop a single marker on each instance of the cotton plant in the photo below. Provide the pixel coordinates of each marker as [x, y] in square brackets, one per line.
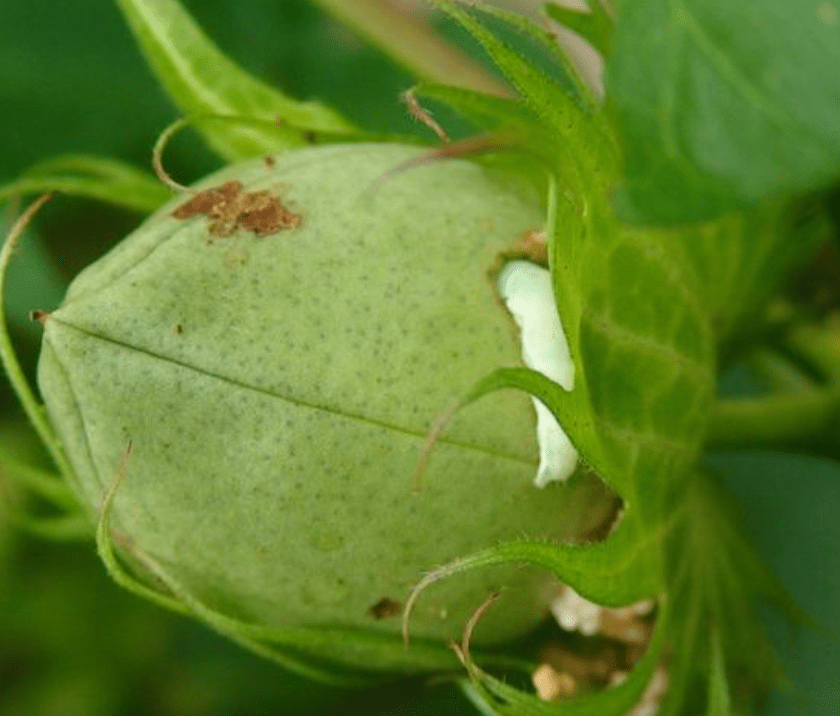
[331, 398]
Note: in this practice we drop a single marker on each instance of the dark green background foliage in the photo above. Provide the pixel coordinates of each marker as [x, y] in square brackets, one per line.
[740, 103]
[72, 80]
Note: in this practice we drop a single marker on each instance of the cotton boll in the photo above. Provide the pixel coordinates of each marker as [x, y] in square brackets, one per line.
[274, 344]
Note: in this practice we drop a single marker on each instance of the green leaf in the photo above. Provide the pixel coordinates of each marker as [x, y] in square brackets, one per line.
[407, 38]
[99, 178]
[643, 349]
[717, 580]
[595, 26]
[719, 703]
[642, 339]
[568, 115]
[801, 420]
[644, 353]
[201, 80]
[716, 114]
[34, 479]
[71, 527]
[790, 503]
[623, 569]
[576, 138]
[580, 90]
[741, 259]
[483, 110]
[36, 500]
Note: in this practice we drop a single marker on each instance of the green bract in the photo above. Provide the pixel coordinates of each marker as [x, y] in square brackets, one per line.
[277, 391]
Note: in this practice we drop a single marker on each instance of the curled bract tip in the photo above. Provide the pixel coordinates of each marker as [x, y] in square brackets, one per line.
[114, 485]
[469, 627]
[9, 358]
[418, 589]
[157, 155]
[432, 437]
[421, 114]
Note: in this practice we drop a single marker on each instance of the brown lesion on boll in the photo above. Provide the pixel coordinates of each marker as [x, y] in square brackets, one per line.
[40, 316]
[534, 244]
[531, 245]
[385, 608]
[229, 208]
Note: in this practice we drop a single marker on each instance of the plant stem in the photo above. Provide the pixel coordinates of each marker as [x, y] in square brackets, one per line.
[8, 359]
[778, 372]
[820, 344]
[796, 420]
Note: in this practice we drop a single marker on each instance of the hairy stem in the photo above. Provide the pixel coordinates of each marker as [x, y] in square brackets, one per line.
[779, 373]
[791, 421]
[819, 345]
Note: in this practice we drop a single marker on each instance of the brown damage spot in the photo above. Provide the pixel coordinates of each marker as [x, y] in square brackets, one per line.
[385, 608]
[40, 316]
[230, 208]
[534, 244]
[269, 161]
[613, 513]
[179, 329]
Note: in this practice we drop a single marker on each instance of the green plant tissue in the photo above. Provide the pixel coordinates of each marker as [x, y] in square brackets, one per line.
[277, 391]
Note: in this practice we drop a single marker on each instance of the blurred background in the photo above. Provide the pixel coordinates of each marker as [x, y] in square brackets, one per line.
[72, 80]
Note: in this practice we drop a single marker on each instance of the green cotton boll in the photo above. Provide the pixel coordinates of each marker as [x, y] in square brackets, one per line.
[277, 390]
